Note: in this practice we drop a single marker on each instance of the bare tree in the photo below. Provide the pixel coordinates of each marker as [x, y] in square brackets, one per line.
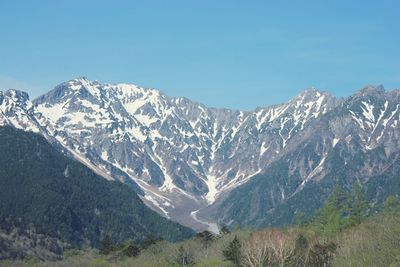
[255, 252]
[184, 256]
[268, 248]
[283, 245]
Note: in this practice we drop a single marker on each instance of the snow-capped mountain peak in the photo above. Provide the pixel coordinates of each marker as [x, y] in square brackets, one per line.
[182, 156]
[14, 110]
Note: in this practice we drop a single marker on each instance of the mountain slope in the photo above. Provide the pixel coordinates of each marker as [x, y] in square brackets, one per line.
[356, 141]
[194, 164]
[65, 199]
[182, 154]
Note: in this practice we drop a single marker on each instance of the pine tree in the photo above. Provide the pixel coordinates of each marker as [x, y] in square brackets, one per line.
[232, 252]
[358, 205]
[148, 241]
[106, 245]
[330, 218]
[392, 204]
[131, 250]
[205, 237]
[300, 218]
[339, 199]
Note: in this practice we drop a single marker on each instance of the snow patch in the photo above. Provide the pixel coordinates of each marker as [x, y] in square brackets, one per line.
[263, 149]
[212, 227]
[335, 141]
[368, 111]
[211, 183]
[155, 203]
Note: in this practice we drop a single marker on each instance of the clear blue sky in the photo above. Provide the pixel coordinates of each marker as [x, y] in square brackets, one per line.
[223, 53]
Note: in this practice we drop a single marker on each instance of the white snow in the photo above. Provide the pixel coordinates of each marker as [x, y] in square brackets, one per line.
[211, 183]
[85, 161]
[318, 105]
[104, 155]
[168, 182]
[132, 107]
[368, 111]
[137, 134]
[155, 203]
[378, 120]
[335, 141]
[317, 169]
[53, 113]
[263, 149]
[385, 121]
[145, 119]
[358, 120]
[280, 132]
[91, 87]
[212, 227]
[277, 112]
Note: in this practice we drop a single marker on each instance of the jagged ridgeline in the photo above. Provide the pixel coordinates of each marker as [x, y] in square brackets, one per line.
[196, 164]
[62, 198]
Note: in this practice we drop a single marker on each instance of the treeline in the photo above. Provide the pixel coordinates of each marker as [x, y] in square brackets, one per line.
[345, 231]
[311, 242]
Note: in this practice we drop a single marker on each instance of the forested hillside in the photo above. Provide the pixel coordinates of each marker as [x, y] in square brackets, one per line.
[62, 198]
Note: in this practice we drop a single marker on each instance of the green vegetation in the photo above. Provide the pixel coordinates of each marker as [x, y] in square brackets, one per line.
[343, 241]
[232, 252]
[64, 199]
[341, 210]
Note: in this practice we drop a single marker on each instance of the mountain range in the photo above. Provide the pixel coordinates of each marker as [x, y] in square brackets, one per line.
[200, 166]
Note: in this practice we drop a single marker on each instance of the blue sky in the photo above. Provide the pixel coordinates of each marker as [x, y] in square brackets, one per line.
[236, 54]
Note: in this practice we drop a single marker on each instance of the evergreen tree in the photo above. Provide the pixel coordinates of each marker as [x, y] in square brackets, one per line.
[148, 241]
[106, 245]
[299, 218]
[341, 210]
[392, 204]
[232, 252]
[358, 205]
[339, 199]
[131, 250]
[329, 219]
[205, 237]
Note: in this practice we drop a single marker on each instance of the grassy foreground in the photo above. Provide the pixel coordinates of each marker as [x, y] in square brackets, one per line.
[374, 242]
[346, 231]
